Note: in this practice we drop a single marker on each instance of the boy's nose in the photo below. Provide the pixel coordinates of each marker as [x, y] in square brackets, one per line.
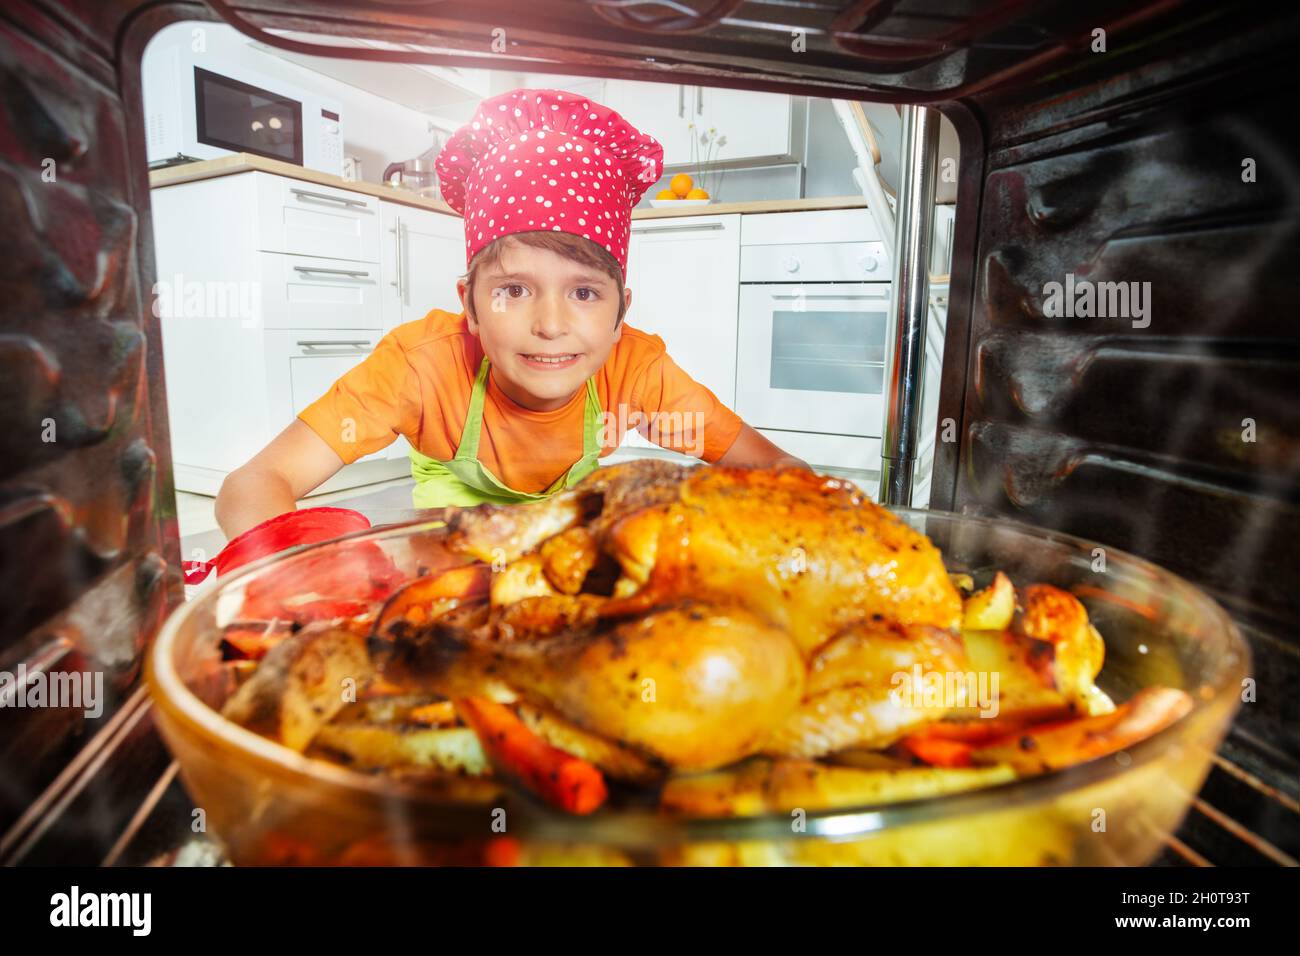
[548, 320]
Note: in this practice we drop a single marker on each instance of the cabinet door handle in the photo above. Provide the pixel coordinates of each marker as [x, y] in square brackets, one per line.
[399, 278]
[308, 194]
[681, 101]
[332, 272]
[699, 100]
[333, 343]
[692, 227]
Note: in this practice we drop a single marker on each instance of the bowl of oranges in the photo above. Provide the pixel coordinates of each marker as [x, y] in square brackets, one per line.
[681, 191]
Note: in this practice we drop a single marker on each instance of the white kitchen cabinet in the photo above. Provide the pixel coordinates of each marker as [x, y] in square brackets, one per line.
[302, 366]
[307, 219]
[757, 125]
[422, 255]
[684, 274]
[267, 296]
[660, 109]
[300, 292]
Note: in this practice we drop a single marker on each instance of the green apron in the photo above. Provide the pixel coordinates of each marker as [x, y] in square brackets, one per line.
[464, 481]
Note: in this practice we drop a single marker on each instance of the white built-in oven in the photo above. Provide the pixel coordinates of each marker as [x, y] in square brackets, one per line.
[811, 337]
[203, 103]
[812, 356]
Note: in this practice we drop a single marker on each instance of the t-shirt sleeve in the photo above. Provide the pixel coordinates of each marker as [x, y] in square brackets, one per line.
[682, 415]
[370, 405]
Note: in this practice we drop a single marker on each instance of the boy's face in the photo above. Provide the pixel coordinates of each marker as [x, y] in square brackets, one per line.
[535, 304]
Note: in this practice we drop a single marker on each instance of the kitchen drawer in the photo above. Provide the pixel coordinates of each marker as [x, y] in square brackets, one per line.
[815, 262]
[298, 292]
[301, 365]
[304, 219]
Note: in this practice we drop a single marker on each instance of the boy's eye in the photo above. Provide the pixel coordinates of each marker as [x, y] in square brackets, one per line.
[588, 298]
[514, 290]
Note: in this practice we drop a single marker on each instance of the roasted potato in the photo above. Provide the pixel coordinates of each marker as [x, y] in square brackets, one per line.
[301, 684]
[373, 746]
[991, 608]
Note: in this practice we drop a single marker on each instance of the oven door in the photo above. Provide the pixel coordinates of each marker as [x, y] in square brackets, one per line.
[812, 356]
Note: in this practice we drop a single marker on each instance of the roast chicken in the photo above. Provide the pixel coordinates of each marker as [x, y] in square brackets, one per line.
[701, 615]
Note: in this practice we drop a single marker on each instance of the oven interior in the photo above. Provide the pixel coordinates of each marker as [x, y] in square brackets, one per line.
[1145, 144]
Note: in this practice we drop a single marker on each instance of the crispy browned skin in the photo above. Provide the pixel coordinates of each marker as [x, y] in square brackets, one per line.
[779, 578]
[694, 686]
[808, 553]
[854, 692]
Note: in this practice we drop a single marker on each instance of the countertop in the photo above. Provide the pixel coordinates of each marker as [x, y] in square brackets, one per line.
[247, 162]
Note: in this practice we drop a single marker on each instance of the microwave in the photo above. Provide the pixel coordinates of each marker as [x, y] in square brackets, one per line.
[199, 105]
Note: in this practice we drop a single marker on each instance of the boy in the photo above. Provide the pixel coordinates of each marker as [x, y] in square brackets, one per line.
[520, 394]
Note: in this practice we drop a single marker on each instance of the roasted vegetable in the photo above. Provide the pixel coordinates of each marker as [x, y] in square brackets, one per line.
[992, 608]
[301, 683]
[1056, 745]
[560, 779]
[377, 747]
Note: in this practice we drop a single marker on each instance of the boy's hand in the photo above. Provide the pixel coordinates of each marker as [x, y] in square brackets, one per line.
[753, 449]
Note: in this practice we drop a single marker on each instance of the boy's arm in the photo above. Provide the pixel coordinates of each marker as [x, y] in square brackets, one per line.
[752, 448]
[296, 461]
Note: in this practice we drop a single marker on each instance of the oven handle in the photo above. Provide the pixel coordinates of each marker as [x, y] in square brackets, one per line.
[883, 294]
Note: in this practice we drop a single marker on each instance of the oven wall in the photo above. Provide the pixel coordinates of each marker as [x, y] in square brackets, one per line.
[90, 552]
[1173, 432]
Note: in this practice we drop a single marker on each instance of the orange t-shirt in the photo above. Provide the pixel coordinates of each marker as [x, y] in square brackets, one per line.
[417, 383]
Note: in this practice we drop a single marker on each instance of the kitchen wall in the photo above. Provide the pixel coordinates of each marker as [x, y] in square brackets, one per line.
[376, 130]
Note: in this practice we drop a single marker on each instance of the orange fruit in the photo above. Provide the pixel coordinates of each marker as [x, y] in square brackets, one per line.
[681, 184]
[697, 193]
[666, 194]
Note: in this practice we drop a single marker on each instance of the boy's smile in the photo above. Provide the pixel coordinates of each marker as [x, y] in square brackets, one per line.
[546, 323]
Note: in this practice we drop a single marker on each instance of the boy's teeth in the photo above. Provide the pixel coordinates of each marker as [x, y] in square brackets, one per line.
[552, 359]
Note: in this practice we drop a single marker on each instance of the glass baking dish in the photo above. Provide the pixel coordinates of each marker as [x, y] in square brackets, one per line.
[267, 804]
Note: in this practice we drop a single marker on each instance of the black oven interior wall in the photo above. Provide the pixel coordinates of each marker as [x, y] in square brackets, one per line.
[1127, 370]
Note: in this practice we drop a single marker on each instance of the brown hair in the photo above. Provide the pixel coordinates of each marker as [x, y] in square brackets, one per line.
[585, 252]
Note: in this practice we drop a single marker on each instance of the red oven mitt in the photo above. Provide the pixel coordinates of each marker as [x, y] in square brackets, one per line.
[305, 526]
[341, 582]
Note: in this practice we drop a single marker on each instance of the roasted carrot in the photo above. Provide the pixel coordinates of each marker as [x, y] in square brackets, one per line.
[427, 597]
[559, 778]
[252, 641]
[939, 752]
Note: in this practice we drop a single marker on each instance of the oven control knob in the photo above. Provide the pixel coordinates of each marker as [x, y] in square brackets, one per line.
[790, 264]
[868, 263]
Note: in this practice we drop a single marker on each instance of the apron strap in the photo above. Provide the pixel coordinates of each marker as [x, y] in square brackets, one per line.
[468, 447]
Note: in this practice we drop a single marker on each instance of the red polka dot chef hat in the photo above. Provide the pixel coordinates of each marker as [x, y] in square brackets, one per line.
[547, 160]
